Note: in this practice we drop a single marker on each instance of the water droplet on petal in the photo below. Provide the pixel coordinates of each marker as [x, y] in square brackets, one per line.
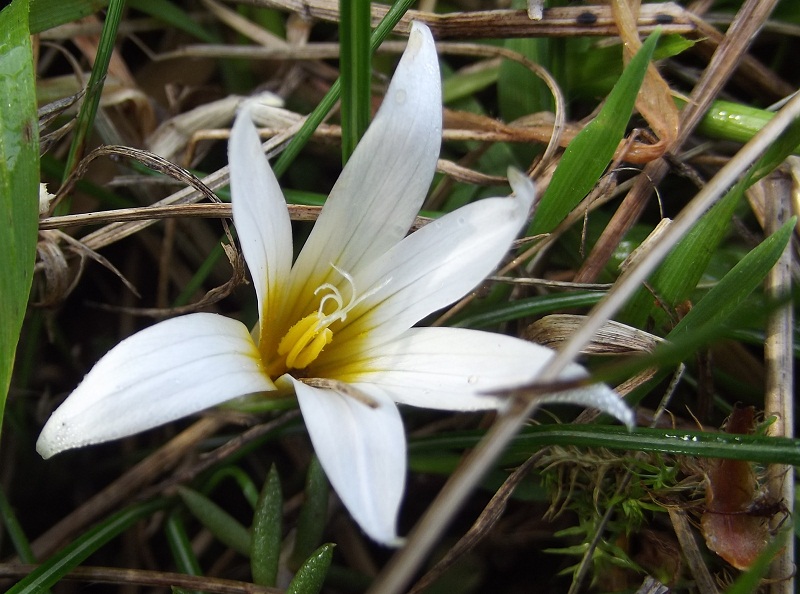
[473, 379]
[400, 96]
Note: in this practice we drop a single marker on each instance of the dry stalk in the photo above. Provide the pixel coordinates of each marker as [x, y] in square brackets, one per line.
[566, 21]
[779, 359]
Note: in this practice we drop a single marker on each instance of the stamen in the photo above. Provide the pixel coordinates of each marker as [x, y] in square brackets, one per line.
[304, 341]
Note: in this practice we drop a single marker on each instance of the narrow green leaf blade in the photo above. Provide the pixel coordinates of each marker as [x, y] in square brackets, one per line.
[46, 14]
[723, 299]
[682, 269]
[315, 118]
[221, 524]
[94, 89]
[354, 65]
[588, 155]
[51, 571]
[19, 177]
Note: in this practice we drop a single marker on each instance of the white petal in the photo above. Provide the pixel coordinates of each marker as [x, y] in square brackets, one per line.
[436, 265]
[383, 185]
[363, 452]
[446, 368]
[597, 396]
[458, 369]
[260, 214]
[170, 370]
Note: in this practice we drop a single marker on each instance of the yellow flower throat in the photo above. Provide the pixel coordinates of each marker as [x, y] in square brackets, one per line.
[306, 339]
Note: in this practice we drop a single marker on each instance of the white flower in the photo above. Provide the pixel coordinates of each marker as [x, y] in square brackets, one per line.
[337, 325]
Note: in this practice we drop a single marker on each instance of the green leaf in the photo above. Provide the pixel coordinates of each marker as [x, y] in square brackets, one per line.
[495, 314]
[94, 90]
[19, 179]
[15, 532]
[181, 547]
[170, 13]
[354, 67]
[315, 118]
[46, 14]
[266, 548]
[57, 566]
[588, 155]
[755, 448]
[311, 576]
[734, 121]
[683, 267]
[723, 299]
[219, 522]
[311, 523]
[681, 270]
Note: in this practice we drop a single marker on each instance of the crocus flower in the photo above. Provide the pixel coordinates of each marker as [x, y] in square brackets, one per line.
[337, 325]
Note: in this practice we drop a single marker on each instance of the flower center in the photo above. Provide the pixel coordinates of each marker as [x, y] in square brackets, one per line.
[306, 339]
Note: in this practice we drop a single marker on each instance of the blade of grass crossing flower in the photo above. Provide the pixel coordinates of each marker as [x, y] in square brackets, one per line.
[94, 90]
[266, 546]
[19, 177]
[46, 14]
[182, 554]
[219, 522]
[313, 515]
[57, 566]
[681, 270]
[311, 576]
[315, 118]
[354, 67]
[588, 155]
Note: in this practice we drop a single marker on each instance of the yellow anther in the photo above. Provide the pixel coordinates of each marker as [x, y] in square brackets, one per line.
[304, 342]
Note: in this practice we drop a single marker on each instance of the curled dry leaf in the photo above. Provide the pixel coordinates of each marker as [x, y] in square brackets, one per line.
[733, 525]
[655, 98]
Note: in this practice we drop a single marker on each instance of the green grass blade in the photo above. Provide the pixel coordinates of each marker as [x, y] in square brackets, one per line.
[46, 14]
[726, 296]
[495, 314]
[94, 89]
[754, 448]
[315, 118]
[354, 72]
[588, 155]
[266, 547]
[181, 547]
[170, 13]
[15, 532]
[682, 269]
[19, 178]
[49, 572]
[219, 522]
